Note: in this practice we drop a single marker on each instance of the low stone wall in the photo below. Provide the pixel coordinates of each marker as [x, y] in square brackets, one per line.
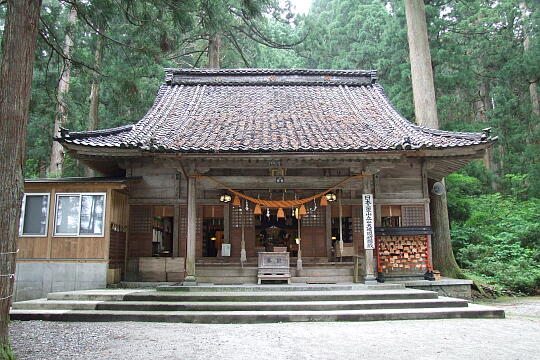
[445, 287]
[34, 280]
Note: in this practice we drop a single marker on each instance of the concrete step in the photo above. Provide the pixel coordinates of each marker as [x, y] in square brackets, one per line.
[241, 296]
[226, 271]
[282, 296]
[336, 279]
[229, 280]
[324, 271]
[237, 306]
[278, 287]
[223, 317]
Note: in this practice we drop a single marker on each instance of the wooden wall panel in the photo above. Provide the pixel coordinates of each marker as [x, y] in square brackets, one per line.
[249, 235]
[140, 245]
[213, 211]
[157, 183]
[404, 181]
[346, 210]
[117, 250]
[33, 247]
[64, 247]
[163, 211]
[236, 239]
[91, 248]
[140, 231]
[313, 241]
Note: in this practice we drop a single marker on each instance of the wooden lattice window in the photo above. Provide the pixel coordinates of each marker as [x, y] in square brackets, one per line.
[358, 220]
[236, 217]
[314, 218]
[141, 219]
[413, 216]
[183, 222]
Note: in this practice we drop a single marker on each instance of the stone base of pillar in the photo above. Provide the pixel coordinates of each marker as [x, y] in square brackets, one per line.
[190, 280]
[370, 280]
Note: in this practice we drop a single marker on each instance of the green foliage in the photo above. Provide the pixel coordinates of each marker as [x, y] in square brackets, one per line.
[6, 353]
[500, 240]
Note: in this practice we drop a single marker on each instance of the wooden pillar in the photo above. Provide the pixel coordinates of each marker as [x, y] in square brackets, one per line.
[328, 241]
[176, 231]
[191, 232]
[369, 260]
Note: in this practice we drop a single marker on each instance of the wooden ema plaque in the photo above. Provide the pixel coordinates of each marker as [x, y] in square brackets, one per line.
[402, 254]
[274, 266]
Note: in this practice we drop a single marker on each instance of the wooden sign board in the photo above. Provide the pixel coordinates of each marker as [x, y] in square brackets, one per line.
[369, 221]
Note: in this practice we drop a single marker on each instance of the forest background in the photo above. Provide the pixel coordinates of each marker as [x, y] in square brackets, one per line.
[100, 62]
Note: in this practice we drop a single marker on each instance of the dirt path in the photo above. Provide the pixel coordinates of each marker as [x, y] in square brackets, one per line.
[516, 337]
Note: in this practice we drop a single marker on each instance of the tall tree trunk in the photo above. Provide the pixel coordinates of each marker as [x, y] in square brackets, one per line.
[425, 107]
[214, 47]
[426, 115]
[19, 43]
[93, 115]
[56, 163]
[482, 103]
[533, 82]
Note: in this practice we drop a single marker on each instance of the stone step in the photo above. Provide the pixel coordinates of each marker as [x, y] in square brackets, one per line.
[336, 279]
[282, 296]
[278, 287]
[324, 271]
[224, 317]
[241, 296]
[225, 272]
[237, 306]
[229, 280]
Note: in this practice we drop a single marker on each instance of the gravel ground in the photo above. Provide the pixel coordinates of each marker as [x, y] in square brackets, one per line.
[516, 337]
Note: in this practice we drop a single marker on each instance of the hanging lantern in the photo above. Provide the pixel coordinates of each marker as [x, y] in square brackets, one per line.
[330, 196]
[280, 213]
[236, 201]
[324, 202]
[302, 210]
[296, 213]
[257, 210]
[225, 198]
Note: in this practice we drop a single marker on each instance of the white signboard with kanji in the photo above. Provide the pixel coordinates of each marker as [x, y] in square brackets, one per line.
[369, 223]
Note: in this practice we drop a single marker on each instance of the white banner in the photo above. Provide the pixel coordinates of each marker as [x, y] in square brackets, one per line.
[369, 223]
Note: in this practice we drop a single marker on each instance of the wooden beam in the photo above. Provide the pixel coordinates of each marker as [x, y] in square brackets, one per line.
[269, 182]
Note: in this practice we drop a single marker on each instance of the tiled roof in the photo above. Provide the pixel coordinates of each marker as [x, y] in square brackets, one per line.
[258, 110]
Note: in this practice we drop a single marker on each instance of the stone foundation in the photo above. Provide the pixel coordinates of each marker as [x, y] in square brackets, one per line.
[34, 279]
[445, 287]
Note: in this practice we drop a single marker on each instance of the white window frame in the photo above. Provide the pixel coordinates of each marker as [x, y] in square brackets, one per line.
[80, 194]
[23, 210]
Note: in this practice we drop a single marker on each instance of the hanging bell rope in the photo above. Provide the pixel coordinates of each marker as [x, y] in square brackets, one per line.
[279, 203]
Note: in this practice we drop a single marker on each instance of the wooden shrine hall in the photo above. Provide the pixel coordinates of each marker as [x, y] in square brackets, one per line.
[232, 163]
